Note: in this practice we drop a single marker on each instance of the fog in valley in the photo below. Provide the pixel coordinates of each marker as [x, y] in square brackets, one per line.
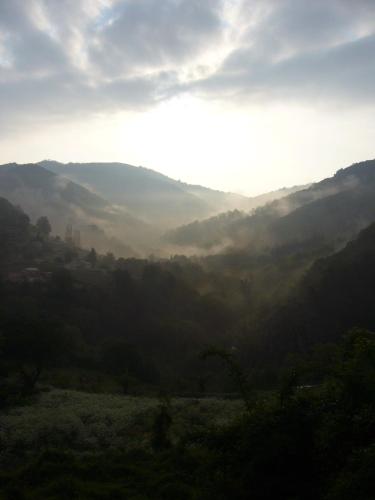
[187, 249]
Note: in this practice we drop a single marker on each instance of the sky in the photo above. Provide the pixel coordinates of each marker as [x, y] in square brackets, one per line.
[238, 95]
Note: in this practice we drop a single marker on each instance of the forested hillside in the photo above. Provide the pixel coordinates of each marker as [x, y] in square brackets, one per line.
[146, 193]
[335, 296]
[205, 330]
[40, 192]
[333, 210]
[14, 231]
[220, 367]
[155, 197]
[168, 310]
[308, 436]
[116, 207]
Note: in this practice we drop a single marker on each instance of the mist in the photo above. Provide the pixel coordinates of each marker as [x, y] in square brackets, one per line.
[187, 242]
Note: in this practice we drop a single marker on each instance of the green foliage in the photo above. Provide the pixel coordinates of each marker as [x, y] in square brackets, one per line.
[31, 345]
[331, 211]
[43, 226]
[14, 232]
[124, 361]
[207, 233]
[334, 296]
[92, 257]
[235, 371]
[161, 428]
[318, 445]
[131, 325]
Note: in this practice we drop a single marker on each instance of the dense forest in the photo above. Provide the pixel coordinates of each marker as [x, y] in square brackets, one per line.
[246, 373]
[187, 250]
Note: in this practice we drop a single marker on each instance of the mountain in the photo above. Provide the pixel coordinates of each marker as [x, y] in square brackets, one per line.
[33, 185]
[150, 195]
[154, 197]
[206, 234]
[213, 232]
[112, 204]
[336, 294]
[41, 192]
[240, 203]
[14, 230]
[333, 210]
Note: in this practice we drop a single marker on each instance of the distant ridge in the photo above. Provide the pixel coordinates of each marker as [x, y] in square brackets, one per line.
[333, 210]
[336, 295]
[135, 205]
[148, 194]
[155, 197]
[39, 191]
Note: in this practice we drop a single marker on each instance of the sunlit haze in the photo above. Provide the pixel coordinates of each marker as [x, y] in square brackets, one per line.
[187, 249]
[246, 96]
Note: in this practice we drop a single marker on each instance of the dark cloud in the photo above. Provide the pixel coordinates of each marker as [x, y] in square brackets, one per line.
[154, 33]
[343, 73]
[58, 98]
[302, 50]
[60, 58]
[27, 48]
[68, 57]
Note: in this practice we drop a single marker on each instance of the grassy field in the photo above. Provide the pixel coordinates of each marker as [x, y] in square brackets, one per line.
[82, 422]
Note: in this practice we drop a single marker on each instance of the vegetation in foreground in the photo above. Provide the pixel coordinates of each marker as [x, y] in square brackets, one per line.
[304, 441]
[123, 331]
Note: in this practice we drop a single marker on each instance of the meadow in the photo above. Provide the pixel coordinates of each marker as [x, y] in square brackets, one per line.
[82, 422]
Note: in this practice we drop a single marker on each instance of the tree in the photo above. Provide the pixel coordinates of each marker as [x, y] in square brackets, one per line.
[108, 261]
[235, 372]
[62, 286]
[31, 345]
[43, 227]
[119, 357]
[162, 423]
[14, 231]
[92, 257]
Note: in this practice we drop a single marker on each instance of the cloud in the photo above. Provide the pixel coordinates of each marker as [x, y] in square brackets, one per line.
[62, 58]
[29, 50]
[151, 34]
[344, 74]
[66, 57]
[301, 50]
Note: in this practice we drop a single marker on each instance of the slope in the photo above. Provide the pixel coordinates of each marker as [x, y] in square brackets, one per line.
[149, 194]
[336, 294]
[214, 231]
[333, 210]
[41, 192]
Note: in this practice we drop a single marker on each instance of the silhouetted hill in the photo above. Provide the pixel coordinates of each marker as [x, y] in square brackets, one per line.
[41, 192]
[146, 193]
[14, 230]
[337, 294]
[32, 184]
[205, 234]
[214, 231]
[155, 197]
[333, 210]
